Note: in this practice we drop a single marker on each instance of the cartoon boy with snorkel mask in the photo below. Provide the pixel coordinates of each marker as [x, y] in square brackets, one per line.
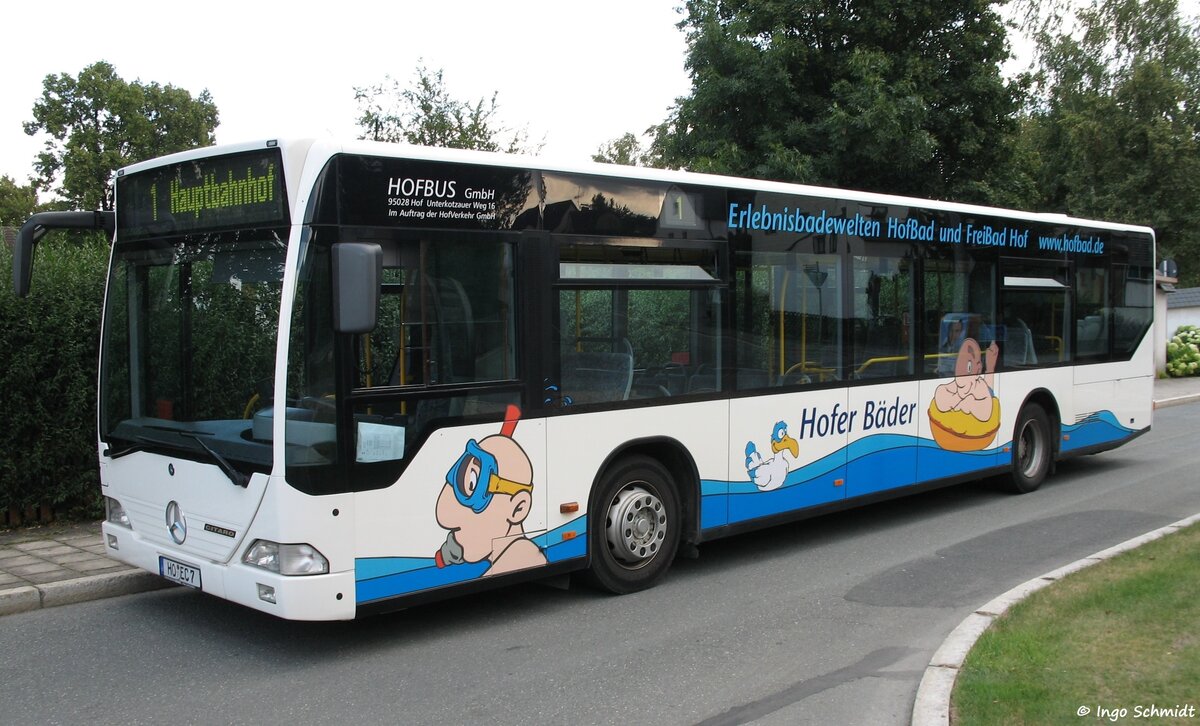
[484, 503]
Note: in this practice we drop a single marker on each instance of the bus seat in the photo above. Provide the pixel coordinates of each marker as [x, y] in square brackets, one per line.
[648, 389]
[1018, 345]
[494, 365]
[675, 379]
[703, 381]
[595, 376]
[751, 378]
[1091, 334]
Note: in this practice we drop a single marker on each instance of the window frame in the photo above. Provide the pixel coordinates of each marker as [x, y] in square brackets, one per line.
[716, 282]
[345, 473]
[1021, 275]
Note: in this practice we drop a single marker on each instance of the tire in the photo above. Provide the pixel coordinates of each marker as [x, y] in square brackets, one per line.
[1032, 450]
[635, 533]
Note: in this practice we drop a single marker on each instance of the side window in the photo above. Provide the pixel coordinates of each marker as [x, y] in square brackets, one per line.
[789, 318]
[1132, 293]
[635, 323]
[596, 363]
[1093, 313]
[1037, 314]
[882, 317]
[446, 317]
[960, 303]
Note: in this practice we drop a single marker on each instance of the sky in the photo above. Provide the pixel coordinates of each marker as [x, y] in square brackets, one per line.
[575, 74]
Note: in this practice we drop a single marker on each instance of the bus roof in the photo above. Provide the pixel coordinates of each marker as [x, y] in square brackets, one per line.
[313, 153]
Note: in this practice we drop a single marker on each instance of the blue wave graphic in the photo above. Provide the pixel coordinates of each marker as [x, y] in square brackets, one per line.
[874, 464]
[414, 578]
[377, 578]
[1100, 428]
[868, 465]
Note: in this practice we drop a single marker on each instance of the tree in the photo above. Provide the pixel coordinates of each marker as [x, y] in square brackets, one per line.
[1116, 121]
[16, 202]
[99, 122]
[626, 150]
[869, 94]
[427, 115]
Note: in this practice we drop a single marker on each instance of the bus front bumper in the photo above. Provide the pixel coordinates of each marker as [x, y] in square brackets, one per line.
[309, 597]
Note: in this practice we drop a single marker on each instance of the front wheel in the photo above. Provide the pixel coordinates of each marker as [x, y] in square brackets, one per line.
[1032, 449]
[636, 531]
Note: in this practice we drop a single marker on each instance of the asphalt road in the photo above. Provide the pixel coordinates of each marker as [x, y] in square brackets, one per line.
[826, 621]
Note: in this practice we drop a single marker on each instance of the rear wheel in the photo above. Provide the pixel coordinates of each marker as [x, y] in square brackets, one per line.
[1031, 449]
[635, 533]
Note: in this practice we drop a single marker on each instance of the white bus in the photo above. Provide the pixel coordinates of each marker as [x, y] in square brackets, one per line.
[342, 379]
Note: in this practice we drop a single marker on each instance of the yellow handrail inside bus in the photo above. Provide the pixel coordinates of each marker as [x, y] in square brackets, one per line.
[884, 359]
[782, 331]
[822, 373]
[900, 358]
[368, 360]
[804, 328]
[1057, 343]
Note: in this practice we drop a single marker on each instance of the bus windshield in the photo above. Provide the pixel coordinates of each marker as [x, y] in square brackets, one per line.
[189, 345]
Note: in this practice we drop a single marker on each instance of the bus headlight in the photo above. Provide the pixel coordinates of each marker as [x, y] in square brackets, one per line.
[115, 513]
[286, 559]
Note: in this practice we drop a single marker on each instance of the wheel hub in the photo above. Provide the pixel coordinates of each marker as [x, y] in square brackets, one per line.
[1029, 450]
[636, 526]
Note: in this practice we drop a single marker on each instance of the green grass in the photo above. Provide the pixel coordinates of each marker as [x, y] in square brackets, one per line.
[1121, 634]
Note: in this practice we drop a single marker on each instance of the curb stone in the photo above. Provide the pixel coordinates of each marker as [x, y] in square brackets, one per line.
[1177, 400]
[932, 706]
[82, 589]
[19, 600]
[96, 587]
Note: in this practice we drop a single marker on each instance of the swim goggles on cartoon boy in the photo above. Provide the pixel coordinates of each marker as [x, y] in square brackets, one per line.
[472, 468]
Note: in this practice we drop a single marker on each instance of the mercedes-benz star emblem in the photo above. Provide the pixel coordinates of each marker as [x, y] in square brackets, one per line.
[176, 524]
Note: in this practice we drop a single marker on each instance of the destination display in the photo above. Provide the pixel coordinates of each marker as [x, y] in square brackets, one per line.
[237, 191]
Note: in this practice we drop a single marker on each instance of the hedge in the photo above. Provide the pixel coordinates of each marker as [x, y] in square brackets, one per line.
[49, 345]
[1183, 352]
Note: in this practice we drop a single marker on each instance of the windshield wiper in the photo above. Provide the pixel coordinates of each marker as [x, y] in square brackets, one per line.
[235, 476]
[175, 430]
[139, 444]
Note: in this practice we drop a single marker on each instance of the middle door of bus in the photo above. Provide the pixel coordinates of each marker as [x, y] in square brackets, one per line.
[884, 397]
[788, 434]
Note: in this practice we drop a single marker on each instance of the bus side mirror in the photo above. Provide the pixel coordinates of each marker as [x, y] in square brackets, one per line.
[37, 226]
[357, 277]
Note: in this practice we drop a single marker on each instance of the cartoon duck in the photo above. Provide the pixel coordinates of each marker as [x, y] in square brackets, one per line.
[769, 474]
